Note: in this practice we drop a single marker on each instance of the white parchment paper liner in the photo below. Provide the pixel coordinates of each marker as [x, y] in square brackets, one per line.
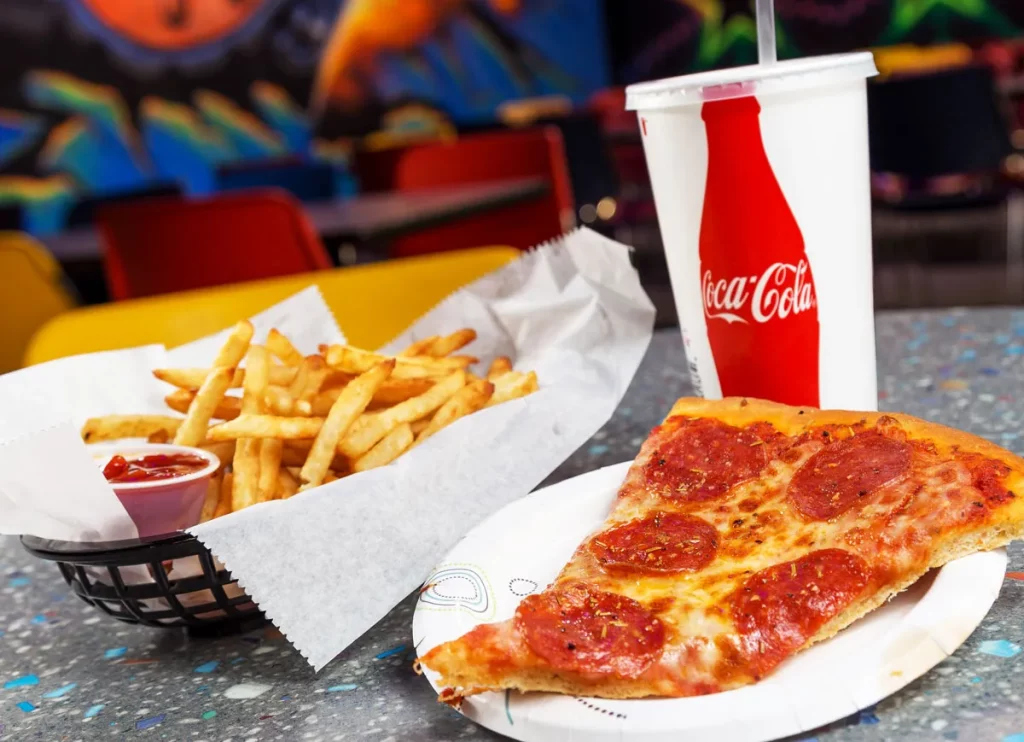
[328, 564]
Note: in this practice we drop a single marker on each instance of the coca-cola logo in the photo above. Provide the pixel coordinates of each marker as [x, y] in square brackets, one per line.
[782, 290]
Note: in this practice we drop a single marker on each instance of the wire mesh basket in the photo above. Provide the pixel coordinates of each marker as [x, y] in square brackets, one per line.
[168, 581]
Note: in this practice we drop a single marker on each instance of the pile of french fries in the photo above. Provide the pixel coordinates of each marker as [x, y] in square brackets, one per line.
[302, 421]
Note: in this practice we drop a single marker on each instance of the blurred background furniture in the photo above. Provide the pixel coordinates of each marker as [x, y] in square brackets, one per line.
[478, 159]
[372, 303]
[164, 245]
[362, 224]
[947, 227]
[307, 181]
[32, 291]
[442, 117]
[84, 211]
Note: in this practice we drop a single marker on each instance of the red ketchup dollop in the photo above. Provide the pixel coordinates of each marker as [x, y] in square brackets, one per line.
[150, 468]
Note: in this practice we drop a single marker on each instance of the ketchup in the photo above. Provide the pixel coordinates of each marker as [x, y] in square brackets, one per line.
[150, 468]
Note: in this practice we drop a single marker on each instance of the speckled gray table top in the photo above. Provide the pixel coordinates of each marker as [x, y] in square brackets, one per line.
[68, 673]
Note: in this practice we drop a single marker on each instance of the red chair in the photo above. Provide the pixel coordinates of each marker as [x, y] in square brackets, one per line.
[500, 155]
[162, 245]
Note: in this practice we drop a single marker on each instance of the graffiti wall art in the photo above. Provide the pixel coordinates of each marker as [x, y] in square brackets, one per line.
[107, 96]
[659, 38]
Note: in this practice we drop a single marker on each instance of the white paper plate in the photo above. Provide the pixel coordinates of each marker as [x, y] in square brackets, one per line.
[521, 548]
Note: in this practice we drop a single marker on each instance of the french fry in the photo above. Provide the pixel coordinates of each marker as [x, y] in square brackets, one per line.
[282, 375]
[335, 379]
[450, 343]
[192, 378]
[202, 407]
[257, 380]
[350, 404]
[246, 465]
[227, 408]
[234, 348]
[323, 401]
[420, 347]
[287, 484]
[296, 452]
[467, 400]
[282, 348]
[246, 468]
[317, 373]
[266, 426]
[371, 427]
[112, 427]
[511, 385]
[271, 450]
[212, 496]
[279, 401]
[499, 367]
[388, 394]
[438, 346]
[389, 448]
[355, 360]
[393, 391]
[298, 384]
[160, 436]
[223, 450]
[303, 421]
[224, 503]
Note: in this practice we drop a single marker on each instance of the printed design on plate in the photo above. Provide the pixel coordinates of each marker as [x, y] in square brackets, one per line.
[521, 586]
[594, 707]
[458, 587]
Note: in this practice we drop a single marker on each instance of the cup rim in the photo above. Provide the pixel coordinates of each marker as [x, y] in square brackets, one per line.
[111, 448]
[753, 79]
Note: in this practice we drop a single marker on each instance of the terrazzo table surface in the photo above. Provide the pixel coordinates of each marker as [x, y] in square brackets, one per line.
[72, 674]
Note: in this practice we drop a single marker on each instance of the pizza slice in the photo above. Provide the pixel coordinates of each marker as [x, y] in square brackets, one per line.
[744, 532]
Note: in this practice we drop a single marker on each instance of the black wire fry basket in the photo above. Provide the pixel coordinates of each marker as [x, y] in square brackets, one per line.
[170, 581]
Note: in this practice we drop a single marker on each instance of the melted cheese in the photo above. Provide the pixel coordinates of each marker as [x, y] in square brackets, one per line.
[892, 531]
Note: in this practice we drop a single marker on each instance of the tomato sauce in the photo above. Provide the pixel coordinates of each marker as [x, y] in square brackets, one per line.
[120, 470]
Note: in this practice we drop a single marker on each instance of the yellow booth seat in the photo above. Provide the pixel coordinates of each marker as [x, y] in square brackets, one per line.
[372, 303]
[31, 293]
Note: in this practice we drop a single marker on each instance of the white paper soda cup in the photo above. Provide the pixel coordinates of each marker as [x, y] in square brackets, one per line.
[761, 182]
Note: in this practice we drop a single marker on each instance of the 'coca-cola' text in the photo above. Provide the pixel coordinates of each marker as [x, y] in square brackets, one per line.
[783, 289]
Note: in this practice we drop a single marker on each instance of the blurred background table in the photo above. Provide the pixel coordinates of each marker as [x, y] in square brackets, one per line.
[360, 220]
[98, 678]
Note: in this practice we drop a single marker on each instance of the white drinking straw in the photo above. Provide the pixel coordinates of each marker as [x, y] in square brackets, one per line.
[766, 52]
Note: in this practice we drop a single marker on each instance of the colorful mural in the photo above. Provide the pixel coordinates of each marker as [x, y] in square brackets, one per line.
[672, 37]
[464, 57]
[108, 96]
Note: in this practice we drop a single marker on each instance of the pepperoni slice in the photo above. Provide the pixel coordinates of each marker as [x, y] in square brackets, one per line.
[704, 458]
[579, 629]
[842, 474]
[989, 477]
[661, 543]
[780, 608]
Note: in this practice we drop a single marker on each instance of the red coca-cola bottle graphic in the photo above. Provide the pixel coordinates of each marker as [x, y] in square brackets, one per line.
[760, 304]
